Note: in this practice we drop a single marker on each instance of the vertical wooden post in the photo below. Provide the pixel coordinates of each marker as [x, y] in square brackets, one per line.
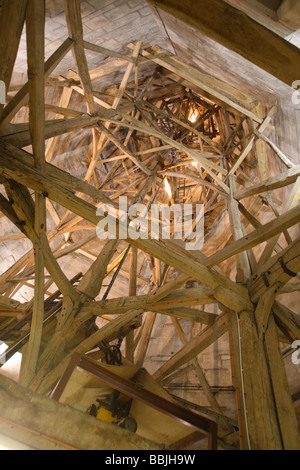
[243, 270]
[237, 378]
[262, 150]
[12, 19]
[261, 416]
[284, 403]
[35, 22]
[129, 340]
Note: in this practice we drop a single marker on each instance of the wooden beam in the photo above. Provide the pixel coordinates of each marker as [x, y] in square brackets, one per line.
[53, 128]
[101, 144]
[283, 399]
[198, 370]
[88, 288]
[107, 52]
[237, 377]
[12, 19]
[277, 271]
[126, 76]
[287, 321]
[64, 102]
[225, 290]
[243, 268]
[288, 13]
[176, 299]
[21, 98]
[8, 211]
[276, 150]
[261, 418]
[262, 157]
[74, 22]
[171, 117]
[57, 175]
[35, 31]
[65, 112]
[91, 282]
[24, 208]
[204, 183]
[32, 351]
[194, 347]
[124, 149]
[190, 314]
[289, 204]
[19, 420]
[44, 384]
[267, 231]
[194, 76]
[13, 270]
[263, 310]
[263, 126]
[141, 350]
[284, 179]
[218, 19]
[35, 21]
[129, 340]
[196, 156]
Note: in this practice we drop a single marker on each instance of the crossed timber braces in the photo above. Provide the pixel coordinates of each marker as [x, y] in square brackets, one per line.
[228, 132]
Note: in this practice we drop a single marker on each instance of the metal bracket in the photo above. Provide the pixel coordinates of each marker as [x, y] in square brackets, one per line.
[265, 279]
[286, 269]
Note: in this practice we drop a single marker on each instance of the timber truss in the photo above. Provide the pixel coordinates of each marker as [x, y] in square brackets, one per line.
[208, 140]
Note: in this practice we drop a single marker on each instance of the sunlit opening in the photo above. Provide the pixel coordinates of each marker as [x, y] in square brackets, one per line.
[193, 116]
[168, 188]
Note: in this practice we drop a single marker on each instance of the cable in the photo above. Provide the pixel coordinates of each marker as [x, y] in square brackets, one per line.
[236, 384]
[242, 379]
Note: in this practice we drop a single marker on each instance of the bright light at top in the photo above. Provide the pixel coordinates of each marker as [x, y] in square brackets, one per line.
[193, 116]
[168, 188]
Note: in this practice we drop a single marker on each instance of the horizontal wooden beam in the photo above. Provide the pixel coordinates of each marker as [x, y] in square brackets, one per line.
[225, 290]
[278, 270]
[22, 138]
[43, 384]
[191, 314]
[280, 181]
[177, 299]
[21, 98]
[69, 182]
[107, 52]
[267, 231]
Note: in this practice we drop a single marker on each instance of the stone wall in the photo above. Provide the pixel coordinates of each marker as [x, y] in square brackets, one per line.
[107, 23]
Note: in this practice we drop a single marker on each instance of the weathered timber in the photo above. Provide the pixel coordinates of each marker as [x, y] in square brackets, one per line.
[218, 21]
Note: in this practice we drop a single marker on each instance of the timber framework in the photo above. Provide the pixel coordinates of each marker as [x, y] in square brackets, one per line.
[164, 132]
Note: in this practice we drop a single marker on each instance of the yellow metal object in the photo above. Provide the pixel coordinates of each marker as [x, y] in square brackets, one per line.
[115, 263]
[106, 415]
